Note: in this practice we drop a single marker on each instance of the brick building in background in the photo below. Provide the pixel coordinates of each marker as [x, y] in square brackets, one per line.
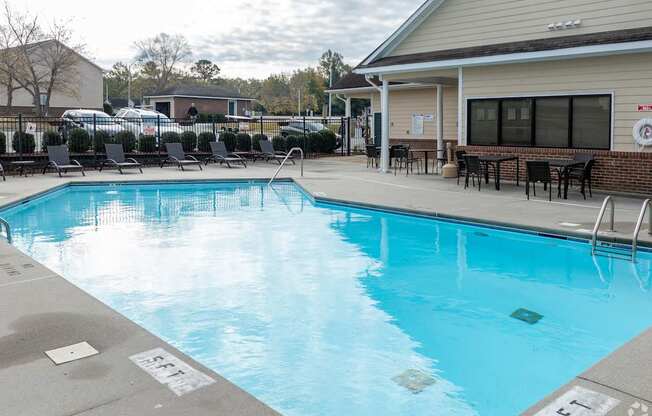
[175, 101]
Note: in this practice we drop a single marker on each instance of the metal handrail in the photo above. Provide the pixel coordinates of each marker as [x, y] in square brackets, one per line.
[639, 223]
[594, 236]
[7, 227]
[285, 160]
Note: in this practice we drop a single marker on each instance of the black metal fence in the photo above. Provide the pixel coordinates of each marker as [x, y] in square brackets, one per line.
[24, 137]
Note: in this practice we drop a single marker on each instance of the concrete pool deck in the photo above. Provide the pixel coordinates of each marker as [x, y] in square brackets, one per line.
[40, 310]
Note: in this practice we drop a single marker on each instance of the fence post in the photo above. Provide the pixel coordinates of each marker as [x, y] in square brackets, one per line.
[95, 144]
[305, 149]
[158, 135]
[348, 136]
[20, 136]
[214, 127]
[342, 137]
[261, 126]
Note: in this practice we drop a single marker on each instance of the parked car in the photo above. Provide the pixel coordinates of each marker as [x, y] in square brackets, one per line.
[146, 122]
[91, 121]
[297, 127]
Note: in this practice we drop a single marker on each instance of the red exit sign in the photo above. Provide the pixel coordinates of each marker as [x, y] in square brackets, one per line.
[644, 107]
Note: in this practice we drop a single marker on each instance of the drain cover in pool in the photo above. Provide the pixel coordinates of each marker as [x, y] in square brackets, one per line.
[525, 315]
[414, 380]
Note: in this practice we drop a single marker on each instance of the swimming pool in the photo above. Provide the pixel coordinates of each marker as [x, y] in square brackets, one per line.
[322, 309]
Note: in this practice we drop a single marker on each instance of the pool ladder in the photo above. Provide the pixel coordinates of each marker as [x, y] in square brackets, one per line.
[294, 149]
[4, 224]
[609, 203]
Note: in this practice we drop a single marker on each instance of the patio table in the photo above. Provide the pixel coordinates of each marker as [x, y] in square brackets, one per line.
[563, 168]
[496, 161]
[425, 156]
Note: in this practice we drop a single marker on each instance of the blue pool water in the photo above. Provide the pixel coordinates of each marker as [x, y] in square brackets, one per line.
[319, 309]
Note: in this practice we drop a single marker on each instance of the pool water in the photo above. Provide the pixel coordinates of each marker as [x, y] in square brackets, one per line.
[321, 309]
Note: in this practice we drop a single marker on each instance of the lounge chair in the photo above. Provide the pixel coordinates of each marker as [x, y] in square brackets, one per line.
[268, 153]
[221, 155]
[178, 157]
[59, 159]
[115, 156]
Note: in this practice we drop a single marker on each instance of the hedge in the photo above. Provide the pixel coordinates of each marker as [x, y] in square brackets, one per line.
[255, 140]
[229, 140]
[79, 141]
[203, 141]
[147, 144]
[188, 141]
[50, 138]
[170, 137]
[127, 139]
[279, 143]
[243, 142]
[3, 143]
[24, 142]
[100, 139]
[329, 141]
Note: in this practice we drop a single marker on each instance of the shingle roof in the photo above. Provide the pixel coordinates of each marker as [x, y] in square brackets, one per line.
[353, 80]
[196, 90]
[537, 45]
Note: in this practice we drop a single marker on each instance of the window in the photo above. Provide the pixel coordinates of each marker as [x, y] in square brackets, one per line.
[582, 122]
[484, 121]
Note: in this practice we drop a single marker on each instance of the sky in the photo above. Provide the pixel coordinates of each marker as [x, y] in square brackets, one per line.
[250, 38]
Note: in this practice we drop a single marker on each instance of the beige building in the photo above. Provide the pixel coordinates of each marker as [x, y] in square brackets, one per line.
[521, 76]
[86, 92]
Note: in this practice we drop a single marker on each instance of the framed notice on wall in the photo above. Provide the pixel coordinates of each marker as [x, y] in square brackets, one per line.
[417, 124]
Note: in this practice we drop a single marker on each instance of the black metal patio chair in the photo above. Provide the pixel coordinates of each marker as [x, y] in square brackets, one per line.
[461, 165]
[372, 155]
[221, 155]
[115, 157]
[403, 157]
[583, 175]
[538, 171]
[473, 169]
[177, 156]
[59, 160]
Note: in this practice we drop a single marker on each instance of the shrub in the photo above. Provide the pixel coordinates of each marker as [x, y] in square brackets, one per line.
[50, 138]
[3, 143]
[329, 142]
[170, 137]
[108, 108]
[188, 141]
[79, 141]
[146, 144]
[127, 139]
[229, 140]
[100, 139]
[211, 118]
[243, 142]
[314, 142]
[255, 140]
[203, 141]
[23, 142]
[279, 143]
[293, 141]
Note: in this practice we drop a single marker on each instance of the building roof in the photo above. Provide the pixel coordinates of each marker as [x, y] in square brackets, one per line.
[198, 91]
[573, 41]
[352, 81]
[45, 42]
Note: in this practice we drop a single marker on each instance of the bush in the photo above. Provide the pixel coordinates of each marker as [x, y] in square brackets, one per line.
[108, 108]
[211, 118]
[294, 141]
[79, 141]
[229, 140]
[203, 141]
[100, 139]
[146, 144]
[243, 142]
[188, 141]
[127, 139]
[3, 143]
[329, 141]
[279, 143]
[50, 138]
[255, 140]
[314, 142]
[170, 137]
[23, 142]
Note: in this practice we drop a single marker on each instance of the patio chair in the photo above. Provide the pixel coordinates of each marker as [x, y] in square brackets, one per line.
[372, 155]
[269, 153]
[2, 171]
[221, 155]
[538, 171]
[473, 169]
[583, 176]
[178, 157]
[461, 166]
[59, 160]
[115, 157]
[403, 156]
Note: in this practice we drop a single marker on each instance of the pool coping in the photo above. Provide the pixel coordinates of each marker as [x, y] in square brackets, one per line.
[599, 378]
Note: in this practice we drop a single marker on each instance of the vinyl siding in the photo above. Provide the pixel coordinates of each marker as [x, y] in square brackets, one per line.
[464, 23]
[628, 77]
[402, 104]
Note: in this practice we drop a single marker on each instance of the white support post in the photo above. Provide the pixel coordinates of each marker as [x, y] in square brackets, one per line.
[440, 125]
[384, 103]
[460, 106]
[347, 107]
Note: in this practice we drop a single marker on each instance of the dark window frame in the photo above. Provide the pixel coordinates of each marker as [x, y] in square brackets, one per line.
[533, 106]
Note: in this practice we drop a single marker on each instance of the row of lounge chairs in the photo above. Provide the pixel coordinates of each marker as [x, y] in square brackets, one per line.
[59, 158]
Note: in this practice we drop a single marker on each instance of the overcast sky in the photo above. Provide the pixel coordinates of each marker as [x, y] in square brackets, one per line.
[250, 38]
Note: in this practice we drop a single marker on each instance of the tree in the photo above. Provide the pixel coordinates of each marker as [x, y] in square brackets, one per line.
[8, 60]
[160, 56]
[41, 61]
[205, 70]
[332, 62]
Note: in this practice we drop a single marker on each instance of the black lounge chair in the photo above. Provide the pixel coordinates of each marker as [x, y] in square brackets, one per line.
[538, 171]
[221, 155]
[268, 153]
[115, 156]
[59, 160]
[178, 157]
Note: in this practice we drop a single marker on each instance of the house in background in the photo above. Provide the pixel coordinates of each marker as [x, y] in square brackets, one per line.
[529, 78]
[88, 80]
[175, 101]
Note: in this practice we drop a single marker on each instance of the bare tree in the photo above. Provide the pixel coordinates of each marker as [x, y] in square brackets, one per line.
[162, 54]
[41, 61]
[8, 60]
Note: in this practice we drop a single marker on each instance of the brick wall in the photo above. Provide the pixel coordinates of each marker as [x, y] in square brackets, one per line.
[207, 106]
[629, 172]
